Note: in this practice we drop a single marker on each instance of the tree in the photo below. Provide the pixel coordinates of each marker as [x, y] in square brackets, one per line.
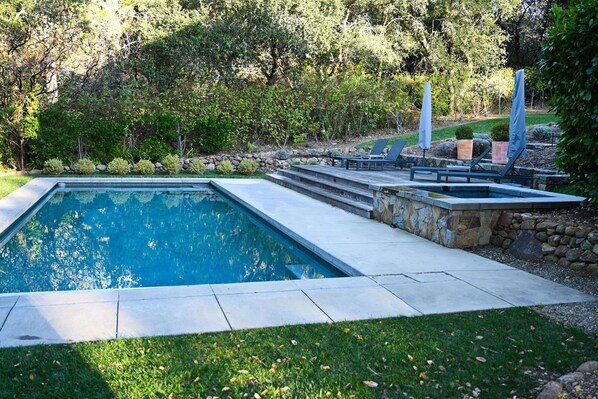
[570, 63]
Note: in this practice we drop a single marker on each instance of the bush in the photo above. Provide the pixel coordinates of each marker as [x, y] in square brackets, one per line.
[197, 167]
[214, 134]
[573, 37]
[84, 167]
[53, 166]
[145, 167]
[464, 133]
[226, 167]
[541, 133]
[247, 167]
[500, 132]
[283, 154]
[172, 164]
[119, 166]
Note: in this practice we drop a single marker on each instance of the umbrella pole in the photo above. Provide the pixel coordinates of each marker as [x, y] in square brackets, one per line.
[424, 158]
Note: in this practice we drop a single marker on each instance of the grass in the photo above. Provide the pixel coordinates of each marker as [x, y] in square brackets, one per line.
[448, 356]
[11, 183]
[482, 126]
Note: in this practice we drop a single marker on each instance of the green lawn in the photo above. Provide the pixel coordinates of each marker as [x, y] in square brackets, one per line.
[443, 356]
[482, 126]
[11, 183]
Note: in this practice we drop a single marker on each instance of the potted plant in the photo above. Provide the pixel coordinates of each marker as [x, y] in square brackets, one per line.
[500, 142]
[464, 135]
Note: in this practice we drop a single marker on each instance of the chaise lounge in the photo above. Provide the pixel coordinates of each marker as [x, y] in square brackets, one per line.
[392, 158]
[490, 175]
[461, 168]
[375, 152]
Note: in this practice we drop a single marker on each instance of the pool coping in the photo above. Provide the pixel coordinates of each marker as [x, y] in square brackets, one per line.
[384, 287]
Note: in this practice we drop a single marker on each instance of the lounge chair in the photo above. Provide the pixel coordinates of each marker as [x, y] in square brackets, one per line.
[392, 158]
[375, 152]
[490, 175]
[461, 168]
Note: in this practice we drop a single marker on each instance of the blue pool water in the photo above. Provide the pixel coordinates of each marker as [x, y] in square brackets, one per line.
[120, 238]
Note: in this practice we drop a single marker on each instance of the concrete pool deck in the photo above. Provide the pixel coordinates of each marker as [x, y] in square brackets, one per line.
[401, 275]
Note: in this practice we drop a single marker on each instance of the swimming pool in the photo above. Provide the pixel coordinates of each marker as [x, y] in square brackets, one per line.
[103, 237]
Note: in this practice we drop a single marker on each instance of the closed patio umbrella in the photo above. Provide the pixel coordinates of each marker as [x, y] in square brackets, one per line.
[425, 122]
[517, 120]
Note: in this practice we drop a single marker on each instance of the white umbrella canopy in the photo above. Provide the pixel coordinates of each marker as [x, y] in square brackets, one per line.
[425, 122]
[517, 120]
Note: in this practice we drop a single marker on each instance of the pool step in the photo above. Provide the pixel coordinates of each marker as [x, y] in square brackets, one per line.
[325, 192]
[346, 178]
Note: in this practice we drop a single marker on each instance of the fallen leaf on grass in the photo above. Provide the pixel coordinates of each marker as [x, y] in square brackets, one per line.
[346, 330]
[325, 367]
[285, 389]
[371, 384]
[480, 359]
[243, 372]
[294, 342]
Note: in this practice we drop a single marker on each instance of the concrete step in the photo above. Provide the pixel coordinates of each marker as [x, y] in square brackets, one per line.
[349, 205]
[348, 191]
[335, 177]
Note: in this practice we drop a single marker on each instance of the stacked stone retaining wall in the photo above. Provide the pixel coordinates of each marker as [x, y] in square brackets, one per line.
[537, 236]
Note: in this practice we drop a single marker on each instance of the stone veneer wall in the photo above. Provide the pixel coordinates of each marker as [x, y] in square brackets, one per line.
[536, 236]
[454, 229]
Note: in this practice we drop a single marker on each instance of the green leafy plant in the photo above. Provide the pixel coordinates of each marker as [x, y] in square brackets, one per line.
[53, 166]
[84, 167]
[197, 167]
[119, 166]
[500, 132]
[542, 133]
[573, 37]
[247, 167]
[172, 164]
[464, 132]
[213, 134]
[145, 167]
[226, 167]
[283, 154]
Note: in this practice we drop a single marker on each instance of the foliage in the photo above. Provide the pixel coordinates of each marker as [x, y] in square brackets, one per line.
[197, 167]
[213, 134]
[464, 132]
[84, 167]
[226, 167]
[500, 132]
[171, 164]
[145, 167]
[247, 167]
[484, 354]
[119, 166]
[53, 166]
[283, 154]
[541, 133]
[575, 37]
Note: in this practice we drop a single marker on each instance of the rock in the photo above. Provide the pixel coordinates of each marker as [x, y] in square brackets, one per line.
[554, 240]
[503, 233]
[583, 232]
[505, 219]
[551, 258]
[595, 249]
[496, 240]
[528, 224]
[577, 266]
[574, 254]
[588, 367]
[552, 390]
[526, 246]
[506, 243]
[563, 262]
[541, 236]
[35, 172]
[560, 229]
[593, 269]
[101, 168]
[593, 237]
[547, 249]
[158, 165]
[210, 167]
[512, 235]
[570, 230]
[589, 257]
[561, 250]
[571, 377]
[542, 226]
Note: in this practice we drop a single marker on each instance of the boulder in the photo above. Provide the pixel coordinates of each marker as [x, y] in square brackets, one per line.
[547, 249]
[526, 246]
[593, 237]
[552, 390]
[588, 367]
[541, 236]
[101, 168]
[574, 254]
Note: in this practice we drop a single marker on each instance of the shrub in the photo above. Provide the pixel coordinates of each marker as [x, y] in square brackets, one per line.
[197, 167]
[84, 167]
[226, 167]
[464, 133]
[573, 37]
[541, 133]
[283, 154]
[119, 166]
[172, 164]
[247, 167]
[53, 166]
[334, 152]
[500, 132]
[213, 134]
[145, 167]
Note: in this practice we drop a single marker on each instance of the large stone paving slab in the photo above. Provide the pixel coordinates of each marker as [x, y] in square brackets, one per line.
[270, 309]
[170, 316]
[30, 325]
[446, 297]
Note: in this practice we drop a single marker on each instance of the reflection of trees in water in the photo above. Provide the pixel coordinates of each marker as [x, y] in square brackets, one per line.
[160, 239]
[84, 197]
[56, 198]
